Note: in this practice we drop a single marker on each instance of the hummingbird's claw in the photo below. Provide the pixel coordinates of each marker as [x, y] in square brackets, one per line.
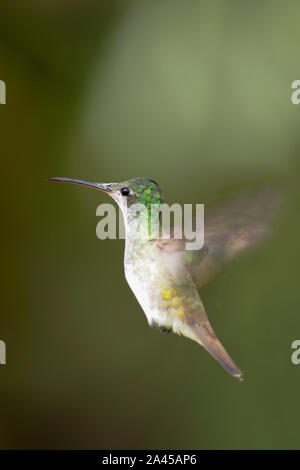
[164, 330]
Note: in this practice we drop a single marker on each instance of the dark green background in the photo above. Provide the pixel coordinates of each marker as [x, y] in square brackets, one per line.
[196, 95]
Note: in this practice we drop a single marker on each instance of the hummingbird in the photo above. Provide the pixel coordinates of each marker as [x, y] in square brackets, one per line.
[165, 277]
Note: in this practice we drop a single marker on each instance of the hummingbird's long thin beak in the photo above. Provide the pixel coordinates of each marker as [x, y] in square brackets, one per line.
[101, 186]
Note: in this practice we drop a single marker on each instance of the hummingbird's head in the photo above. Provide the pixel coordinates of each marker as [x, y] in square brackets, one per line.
[135, 191]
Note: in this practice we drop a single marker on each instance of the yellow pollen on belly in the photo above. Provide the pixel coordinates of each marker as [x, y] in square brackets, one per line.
[167, 293]
[175, 302]
[180, 312]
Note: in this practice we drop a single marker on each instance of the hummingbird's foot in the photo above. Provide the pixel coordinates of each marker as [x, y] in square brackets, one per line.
[164, 330]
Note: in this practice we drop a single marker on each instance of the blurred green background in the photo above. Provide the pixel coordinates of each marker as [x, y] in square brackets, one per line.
[196, 95]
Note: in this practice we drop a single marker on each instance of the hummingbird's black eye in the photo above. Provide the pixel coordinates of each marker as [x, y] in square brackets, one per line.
[125, 191]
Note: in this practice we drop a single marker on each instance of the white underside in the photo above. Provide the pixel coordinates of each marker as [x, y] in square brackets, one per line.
[146, 285]
[146, 271]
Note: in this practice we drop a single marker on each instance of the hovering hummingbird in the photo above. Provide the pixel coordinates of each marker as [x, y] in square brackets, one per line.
[165, 277]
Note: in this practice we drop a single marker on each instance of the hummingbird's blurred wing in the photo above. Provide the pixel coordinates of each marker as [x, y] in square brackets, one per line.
[229, 228]
[232, 227]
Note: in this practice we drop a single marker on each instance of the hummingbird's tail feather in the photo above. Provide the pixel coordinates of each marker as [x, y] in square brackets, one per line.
[204, 334]
[211, 343]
